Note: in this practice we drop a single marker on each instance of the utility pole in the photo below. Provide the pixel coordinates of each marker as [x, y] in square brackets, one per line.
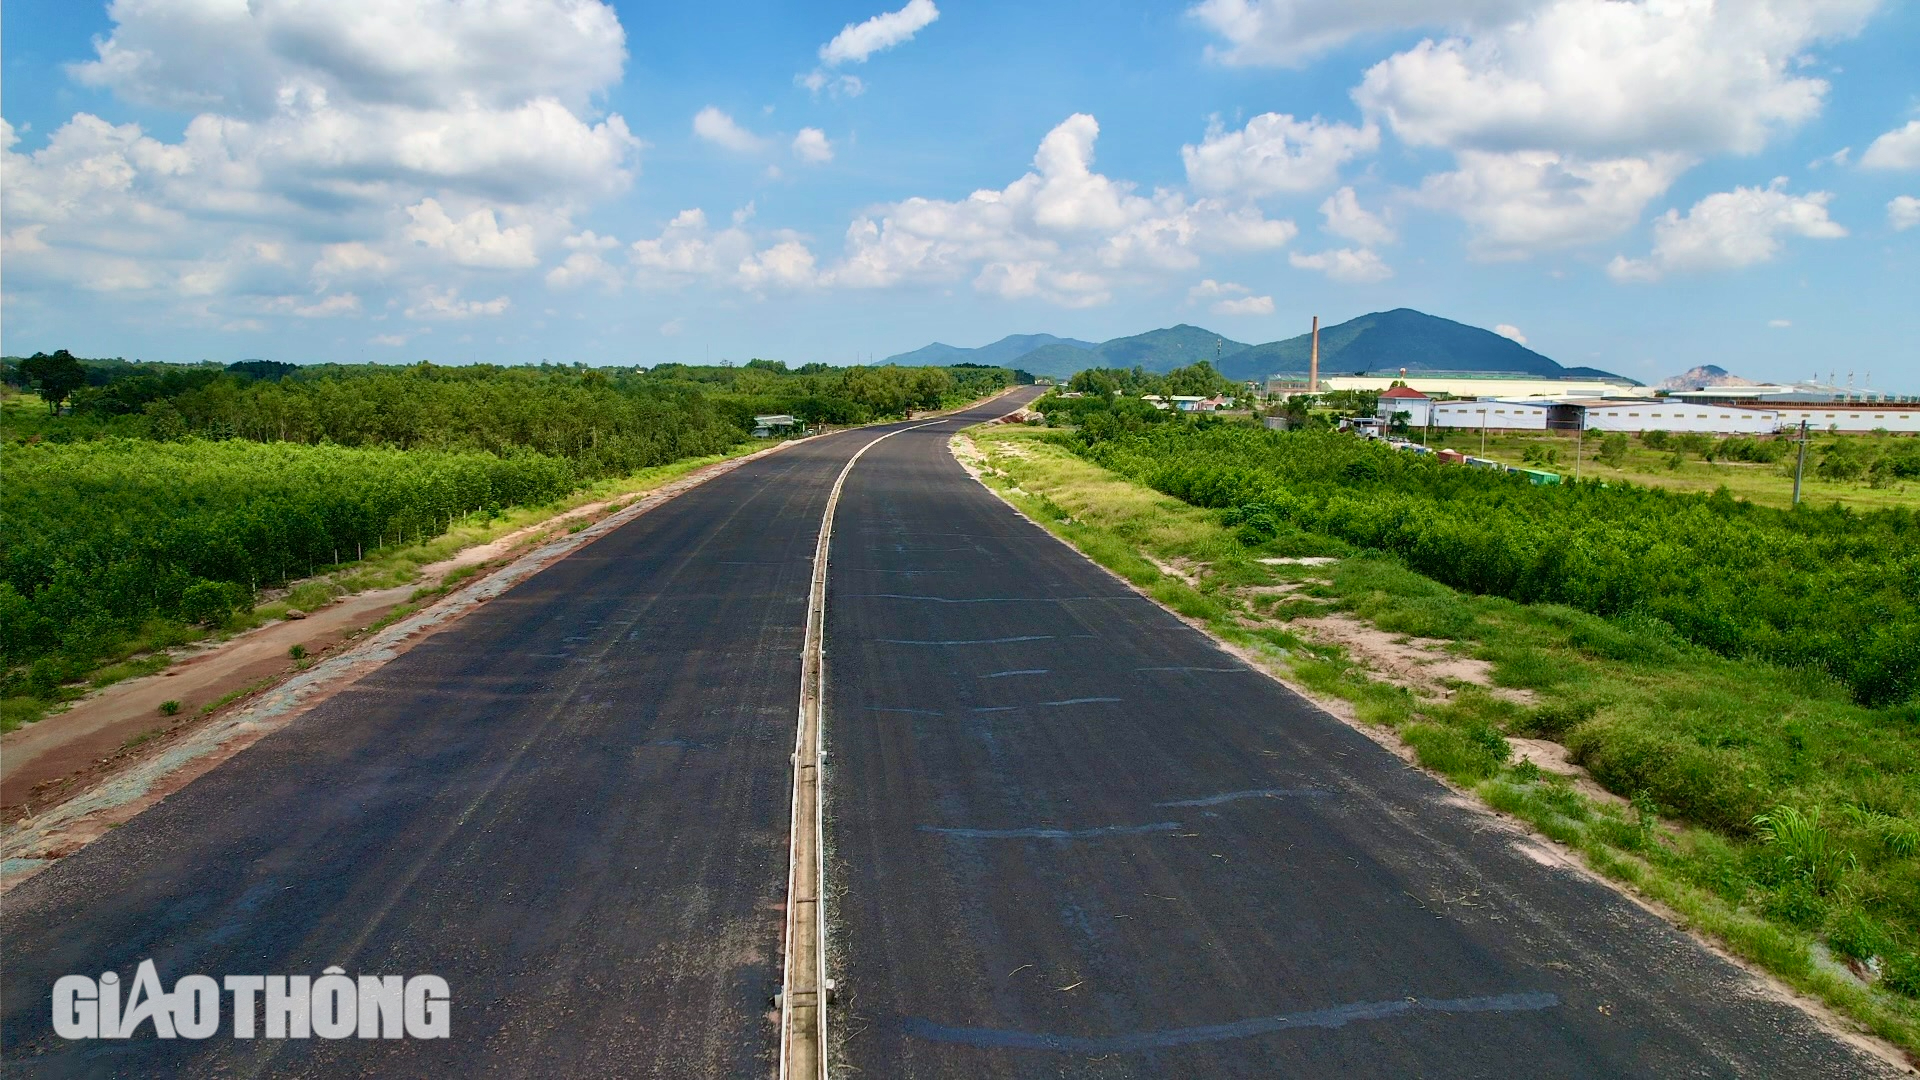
[1483, 431]
[1800, 464]
[1579, 440]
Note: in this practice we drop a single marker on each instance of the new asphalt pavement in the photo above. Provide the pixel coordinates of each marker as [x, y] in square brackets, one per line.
[572, 805]
[1066, 836]
[1071, 837]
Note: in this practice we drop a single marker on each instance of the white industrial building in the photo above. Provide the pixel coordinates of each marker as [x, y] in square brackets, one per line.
[1853, 416]
[1494, 414]
[1658, 414]
[1665, 414]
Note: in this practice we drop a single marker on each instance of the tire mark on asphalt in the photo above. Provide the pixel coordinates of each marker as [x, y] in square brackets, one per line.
[1042, 833]
[1337, 1017]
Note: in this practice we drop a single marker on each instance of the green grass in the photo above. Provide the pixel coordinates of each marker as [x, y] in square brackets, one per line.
[230, 697]
[1768, 809]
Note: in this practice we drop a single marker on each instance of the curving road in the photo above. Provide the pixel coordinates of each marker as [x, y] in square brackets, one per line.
[1067, 836]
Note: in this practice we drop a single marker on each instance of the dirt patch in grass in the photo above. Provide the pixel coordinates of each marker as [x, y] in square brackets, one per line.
[1422, 665]
[1551, 757]
[1298, 560]
[1188, 571]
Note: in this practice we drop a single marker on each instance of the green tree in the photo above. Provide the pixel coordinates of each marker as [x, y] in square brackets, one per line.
[56, 377]
[1613, 450]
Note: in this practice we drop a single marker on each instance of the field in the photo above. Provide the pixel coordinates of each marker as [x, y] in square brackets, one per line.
[1763, 803]
[1766, 483]
[162, 503]
[1823, 588]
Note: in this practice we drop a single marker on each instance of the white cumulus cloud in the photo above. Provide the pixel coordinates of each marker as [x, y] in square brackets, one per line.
[1290, 32]
[475, 240]
[1730, 230]
[813, 146]
[1350, 266]
[1063, 232]
[1903, 212]
[1275, 153]
[1567, 117]
[1532, 200]
[436, 303]
[1897, 149]
[377, 142]
[1510, 331]
[720, 129]
[1346, 218]
[857, 41]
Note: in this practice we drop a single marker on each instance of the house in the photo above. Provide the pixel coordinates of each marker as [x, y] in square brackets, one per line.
[765, 427]
[1404, 399]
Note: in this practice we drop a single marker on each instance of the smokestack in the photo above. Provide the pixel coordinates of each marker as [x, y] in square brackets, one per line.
[1313, 365]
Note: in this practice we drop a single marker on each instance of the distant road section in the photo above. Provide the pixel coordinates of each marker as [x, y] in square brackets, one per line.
[1071, 837]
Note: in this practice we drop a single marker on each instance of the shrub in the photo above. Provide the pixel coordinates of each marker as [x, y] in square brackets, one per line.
[1902, 974]
[168, 708]
[1711, 786]
[1853, 933]
[1808, 848]
[208, 602]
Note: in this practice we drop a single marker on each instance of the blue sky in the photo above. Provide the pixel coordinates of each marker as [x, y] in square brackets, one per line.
[1640, 186]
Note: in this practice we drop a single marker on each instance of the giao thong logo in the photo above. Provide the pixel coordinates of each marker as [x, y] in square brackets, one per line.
[332, 1006]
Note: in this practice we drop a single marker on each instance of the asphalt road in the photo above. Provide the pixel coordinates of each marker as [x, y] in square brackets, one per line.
[1070, 837]
[1067, 837]
[572, 805]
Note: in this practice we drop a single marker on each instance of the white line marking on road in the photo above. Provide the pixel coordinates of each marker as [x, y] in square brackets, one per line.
[804, 983]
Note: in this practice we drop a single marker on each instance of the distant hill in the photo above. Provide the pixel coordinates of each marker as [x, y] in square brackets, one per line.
[1386, 341]
[1164, 350]
[1001, 352]
[1380, 343]
[1705, 375]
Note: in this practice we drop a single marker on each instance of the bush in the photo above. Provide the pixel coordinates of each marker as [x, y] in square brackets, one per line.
[1808, 848]
[1902, 974]
[1711, 786]
[168, 708]
[1853, 933]
[208, 602]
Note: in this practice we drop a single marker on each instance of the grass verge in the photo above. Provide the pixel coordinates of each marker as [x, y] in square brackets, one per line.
[1688, 749]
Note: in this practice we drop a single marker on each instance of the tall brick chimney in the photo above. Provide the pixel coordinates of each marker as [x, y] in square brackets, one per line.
[1313, 365]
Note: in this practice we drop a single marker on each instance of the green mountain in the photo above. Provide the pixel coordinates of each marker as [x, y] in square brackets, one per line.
[1386, 341]
[1381, 343]
[1164, 350]
[1058, 360]
[1001, 352]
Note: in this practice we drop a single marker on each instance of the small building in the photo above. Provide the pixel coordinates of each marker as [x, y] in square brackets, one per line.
[765, 427]
[1179, 402]
[1404, 399]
